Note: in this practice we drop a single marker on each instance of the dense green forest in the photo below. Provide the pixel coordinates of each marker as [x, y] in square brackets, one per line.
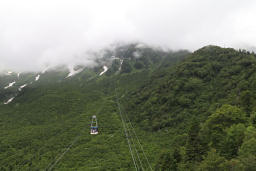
[206, 105]
[190, 111]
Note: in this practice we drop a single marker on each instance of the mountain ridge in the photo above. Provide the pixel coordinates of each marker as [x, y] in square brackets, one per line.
[185, 108]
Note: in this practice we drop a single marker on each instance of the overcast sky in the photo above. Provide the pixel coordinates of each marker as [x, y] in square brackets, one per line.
[35, 33]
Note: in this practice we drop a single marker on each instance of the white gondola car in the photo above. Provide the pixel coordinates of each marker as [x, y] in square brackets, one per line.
[94, 126]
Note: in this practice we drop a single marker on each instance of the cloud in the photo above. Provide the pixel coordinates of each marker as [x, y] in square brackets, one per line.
[36, 33]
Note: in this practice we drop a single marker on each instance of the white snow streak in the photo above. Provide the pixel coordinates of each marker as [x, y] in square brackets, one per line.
[73, 72]
[21, 87]
[105, 68]
[37, 77]
[9, 101]
[45, 70]
[10, 85]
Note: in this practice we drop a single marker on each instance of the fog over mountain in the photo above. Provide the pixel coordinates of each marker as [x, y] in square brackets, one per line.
[35, 34]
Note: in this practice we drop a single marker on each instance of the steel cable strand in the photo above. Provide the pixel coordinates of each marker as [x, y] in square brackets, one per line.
[144, 154]
[125, 131]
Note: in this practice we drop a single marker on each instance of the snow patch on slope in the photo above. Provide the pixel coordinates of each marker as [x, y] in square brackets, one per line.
[10, 85]
[73, 72]
[21, 87]
[105, 68]
[37, 77]
[44, 70]
[9, 101]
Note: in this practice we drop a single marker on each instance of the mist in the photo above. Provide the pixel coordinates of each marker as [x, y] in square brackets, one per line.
[37, 34]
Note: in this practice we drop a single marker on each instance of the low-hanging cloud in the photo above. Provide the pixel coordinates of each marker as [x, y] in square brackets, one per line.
[39, 33]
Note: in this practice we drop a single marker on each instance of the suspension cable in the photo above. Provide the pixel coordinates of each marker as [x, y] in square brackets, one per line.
[125, 131]
[143, 151]
[141, 147]
[136, 151]
[58, 158]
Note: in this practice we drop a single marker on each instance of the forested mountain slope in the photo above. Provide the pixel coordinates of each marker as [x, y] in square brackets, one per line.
[210, 100]
[190, 112]
[53, 112]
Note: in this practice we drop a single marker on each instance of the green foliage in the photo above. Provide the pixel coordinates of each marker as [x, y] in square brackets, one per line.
[216, 125]
[194, 148]
[212, 162]
[234, 165]
[247, 101]
[233, 140]
[47, 115]
[165, 162]
[168, 161]
[247, 154]
[248, 147]
[214, 85]
[114, 67]
[126, 67]
[138, 65]
[225, 116]
[189, 104]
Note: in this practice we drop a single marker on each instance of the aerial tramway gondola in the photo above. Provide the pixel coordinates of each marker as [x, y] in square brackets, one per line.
[94, 125]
